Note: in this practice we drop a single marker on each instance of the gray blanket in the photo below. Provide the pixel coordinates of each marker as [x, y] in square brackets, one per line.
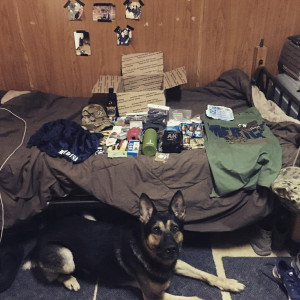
[29, 179]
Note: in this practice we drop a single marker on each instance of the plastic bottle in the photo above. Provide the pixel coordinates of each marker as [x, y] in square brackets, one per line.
[111, 108]
[149, 142]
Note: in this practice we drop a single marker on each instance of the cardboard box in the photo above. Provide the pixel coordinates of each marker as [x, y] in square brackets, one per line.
[143, 82]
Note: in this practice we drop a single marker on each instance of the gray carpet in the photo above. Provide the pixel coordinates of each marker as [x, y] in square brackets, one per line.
[256, 274]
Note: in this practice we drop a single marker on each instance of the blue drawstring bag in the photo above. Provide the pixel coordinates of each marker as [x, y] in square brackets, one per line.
[65, 138]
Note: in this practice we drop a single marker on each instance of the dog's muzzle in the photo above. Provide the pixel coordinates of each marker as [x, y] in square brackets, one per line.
[171, 251]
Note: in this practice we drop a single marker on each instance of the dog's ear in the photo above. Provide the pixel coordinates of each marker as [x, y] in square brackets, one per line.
[177, 205]
[146, 208]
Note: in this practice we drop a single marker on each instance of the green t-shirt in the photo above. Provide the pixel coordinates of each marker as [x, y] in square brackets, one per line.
[242, 153]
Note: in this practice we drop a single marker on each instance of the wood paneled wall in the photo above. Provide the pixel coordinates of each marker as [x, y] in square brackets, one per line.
[206, 36]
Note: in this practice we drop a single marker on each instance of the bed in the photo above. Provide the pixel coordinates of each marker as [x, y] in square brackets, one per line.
[31, 180]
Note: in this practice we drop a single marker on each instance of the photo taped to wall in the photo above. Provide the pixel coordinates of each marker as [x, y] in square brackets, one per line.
[75, 10]
[104, 12]
[82, 43]
[124, 36]
[133, 9]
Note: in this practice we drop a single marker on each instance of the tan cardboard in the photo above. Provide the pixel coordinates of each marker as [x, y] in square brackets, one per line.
[174, 78]
[143, 82]
[133, 102]
[142, 63]
[105, 82]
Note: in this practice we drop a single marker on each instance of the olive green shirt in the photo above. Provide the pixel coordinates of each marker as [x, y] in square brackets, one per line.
[242, 153]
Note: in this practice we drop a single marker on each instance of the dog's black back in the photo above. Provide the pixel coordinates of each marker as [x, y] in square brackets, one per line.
[145, 251]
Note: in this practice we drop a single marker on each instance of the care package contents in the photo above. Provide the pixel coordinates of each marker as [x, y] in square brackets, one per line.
[190, 128]
[118, 150]
[139, 114]
[154, 133]
[219, 112]
[111, 108]
[150, 142]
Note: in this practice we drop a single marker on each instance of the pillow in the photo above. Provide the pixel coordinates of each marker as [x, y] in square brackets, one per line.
[2, 93]
[12, 94]
[287, 187]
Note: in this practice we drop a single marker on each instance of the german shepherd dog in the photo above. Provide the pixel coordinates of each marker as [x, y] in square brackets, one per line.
[144, 256]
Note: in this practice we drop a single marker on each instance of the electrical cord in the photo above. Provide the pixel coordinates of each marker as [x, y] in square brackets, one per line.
[22, 141]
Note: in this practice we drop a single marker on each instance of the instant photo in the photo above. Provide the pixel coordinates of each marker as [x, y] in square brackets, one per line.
[104, 12]
[124, 36]
[82, 43]
[133, 9]
[75, 10]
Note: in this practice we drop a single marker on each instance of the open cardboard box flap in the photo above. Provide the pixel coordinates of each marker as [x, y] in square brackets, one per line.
[143, 82]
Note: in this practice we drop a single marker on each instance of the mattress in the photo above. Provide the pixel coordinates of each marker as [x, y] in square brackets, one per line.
[30, 179]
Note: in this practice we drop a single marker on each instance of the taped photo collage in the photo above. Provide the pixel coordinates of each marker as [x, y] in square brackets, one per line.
[105, 13]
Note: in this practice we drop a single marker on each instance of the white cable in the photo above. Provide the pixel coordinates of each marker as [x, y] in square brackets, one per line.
[23, 137]
[22, 141]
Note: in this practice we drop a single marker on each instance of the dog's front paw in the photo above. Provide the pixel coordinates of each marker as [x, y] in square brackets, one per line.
[230, 285]
[71, 284]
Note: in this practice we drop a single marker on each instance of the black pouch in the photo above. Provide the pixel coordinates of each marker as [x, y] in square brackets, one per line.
[172, 141]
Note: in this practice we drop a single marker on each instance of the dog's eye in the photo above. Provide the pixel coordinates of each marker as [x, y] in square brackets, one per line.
[174, 228]
[156, 230]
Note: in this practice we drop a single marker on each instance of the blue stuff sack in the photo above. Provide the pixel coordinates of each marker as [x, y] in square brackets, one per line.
[65, 138]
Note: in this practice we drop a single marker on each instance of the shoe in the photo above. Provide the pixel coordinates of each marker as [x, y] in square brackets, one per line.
[295, 263]
[261, 242]
[286, 275]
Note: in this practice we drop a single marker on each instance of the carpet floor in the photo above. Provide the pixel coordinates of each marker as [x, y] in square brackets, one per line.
[224, 254]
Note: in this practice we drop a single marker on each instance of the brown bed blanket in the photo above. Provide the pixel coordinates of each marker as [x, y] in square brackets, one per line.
[30, 178]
